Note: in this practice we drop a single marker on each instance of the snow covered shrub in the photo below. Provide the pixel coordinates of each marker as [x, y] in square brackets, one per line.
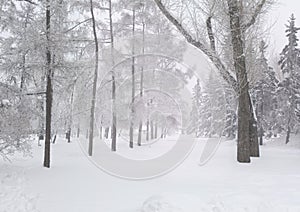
[14, 127]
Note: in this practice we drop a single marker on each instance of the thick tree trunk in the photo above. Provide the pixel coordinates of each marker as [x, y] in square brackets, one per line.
[244, 113]
[49, 90]
[92, 116]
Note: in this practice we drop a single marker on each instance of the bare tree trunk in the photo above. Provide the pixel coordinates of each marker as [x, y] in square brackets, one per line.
[100, 131]
[210, 34]
[78, 131]
[133, 81]
[23, 74]
[259, 121]
[114, 115]
[141, 88]
[106, 132]
[288, 132]
[147, 130]
[71, 115]
[152, 129]
[92, 116]
[49, 90]
[254, 145]
[261, 130]
[244, 114]
[155, 131]
[162, 132]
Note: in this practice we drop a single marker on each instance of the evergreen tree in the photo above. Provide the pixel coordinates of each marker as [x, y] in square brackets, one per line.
[208, 112]
[195, 113]
[290, 86]
[264, 96]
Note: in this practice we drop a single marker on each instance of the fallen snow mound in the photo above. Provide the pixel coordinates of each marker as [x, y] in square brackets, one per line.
[159, 204]
[12, 195]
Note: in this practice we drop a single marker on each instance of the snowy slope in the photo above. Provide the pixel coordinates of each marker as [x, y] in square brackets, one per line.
[268, 184]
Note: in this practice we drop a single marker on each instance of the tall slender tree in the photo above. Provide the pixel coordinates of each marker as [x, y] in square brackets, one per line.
[92, 115]
[49, 89]
[113, 83]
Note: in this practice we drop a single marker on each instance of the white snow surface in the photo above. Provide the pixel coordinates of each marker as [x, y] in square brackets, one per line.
[270, 183]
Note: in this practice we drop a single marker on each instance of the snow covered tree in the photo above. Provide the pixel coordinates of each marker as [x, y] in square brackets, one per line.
[15, 121]
[265, 96]
[208, 111]
[239, 21]
[290, 86]
[194, 126]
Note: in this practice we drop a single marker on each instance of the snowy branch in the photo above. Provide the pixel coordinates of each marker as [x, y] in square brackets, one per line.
[70, 29]
[212, 56]
[255, 15]
[29, 1]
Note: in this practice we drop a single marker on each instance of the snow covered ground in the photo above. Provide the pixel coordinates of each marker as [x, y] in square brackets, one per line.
[269, 184]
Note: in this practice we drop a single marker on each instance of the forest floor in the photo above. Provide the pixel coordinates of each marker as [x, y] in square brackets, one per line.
[270, 183]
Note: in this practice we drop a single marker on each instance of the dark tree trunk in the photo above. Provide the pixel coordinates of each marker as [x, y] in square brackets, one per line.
[210, 34]
[68, 135]
[92, 116]
[71, 116]
[54, 139]
[244, 113]
[23, 74]
[49, 90]
[288, 133]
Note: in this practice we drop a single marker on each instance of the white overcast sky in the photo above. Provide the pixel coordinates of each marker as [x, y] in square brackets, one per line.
[279, 16]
